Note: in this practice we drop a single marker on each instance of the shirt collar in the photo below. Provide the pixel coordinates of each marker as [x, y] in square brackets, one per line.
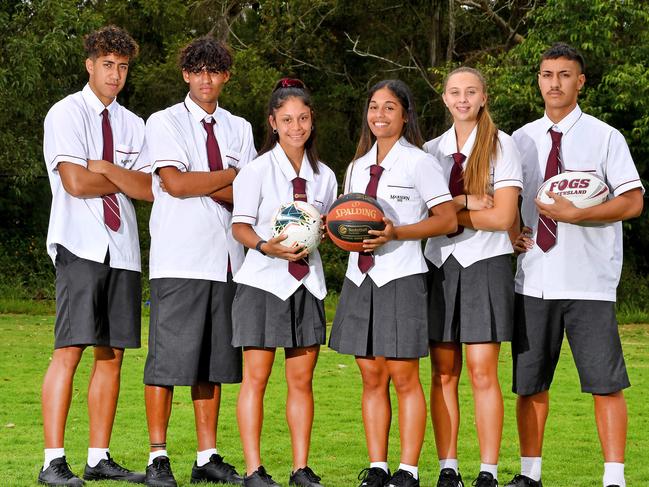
[449, 142]
[566, 123]
[306, 171]
[197, 112]
[95, 103]
[390, 159]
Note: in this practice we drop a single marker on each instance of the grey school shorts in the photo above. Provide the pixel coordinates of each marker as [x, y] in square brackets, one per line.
[190, 333]
[591, 329]
[96, 304]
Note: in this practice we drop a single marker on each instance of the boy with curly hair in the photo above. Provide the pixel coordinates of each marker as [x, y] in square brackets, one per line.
[92, 153]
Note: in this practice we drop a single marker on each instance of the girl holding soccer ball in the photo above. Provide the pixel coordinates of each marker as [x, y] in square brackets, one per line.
[279, 300]
[471, 295]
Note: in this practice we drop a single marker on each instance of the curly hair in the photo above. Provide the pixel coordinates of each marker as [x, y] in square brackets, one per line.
[110, 40]
[205, 53]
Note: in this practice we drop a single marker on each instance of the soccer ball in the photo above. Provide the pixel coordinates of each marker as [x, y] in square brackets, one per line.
[301, 222]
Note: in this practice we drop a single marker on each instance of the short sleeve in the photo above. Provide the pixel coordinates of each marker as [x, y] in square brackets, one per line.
[63, 139]
[247, 195]
[621, 173]
[248, 151]
[163, 146]
[507, 169]
[429, 181]
[142, 162]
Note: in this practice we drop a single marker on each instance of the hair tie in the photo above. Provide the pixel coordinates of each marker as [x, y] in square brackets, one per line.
[289, 83]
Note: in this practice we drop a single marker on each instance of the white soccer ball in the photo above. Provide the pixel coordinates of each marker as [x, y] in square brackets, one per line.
[584, 189]
[300, 222]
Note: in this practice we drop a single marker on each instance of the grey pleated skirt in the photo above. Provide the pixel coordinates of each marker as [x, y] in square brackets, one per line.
[261, 319]
[473, 304]
[387, 321]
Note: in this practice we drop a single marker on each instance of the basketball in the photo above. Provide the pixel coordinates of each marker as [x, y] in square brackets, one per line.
[350, 219]
[584, 189]
[300, 222]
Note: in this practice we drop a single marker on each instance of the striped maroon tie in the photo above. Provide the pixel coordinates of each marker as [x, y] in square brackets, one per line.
[456, 184]
[111, 205]
[546, 233]
[214, 156]
[300, 268]
[366, 259]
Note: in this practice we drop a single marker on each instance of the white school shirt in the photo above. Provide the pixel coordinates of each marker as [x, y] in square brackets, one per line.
[410, 184]
[259, 190]
[192, 237]
[586, 261]
[472, 245]
[73, 134]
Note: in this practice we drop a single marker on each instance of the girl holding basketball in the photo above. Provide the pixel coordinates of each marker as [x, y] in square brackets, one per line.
[279, 300]
[381, 316]
[471, 295]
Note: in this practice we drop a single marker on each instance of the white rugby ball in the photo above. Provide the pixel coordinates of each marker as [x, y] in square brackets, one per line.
[584, 189]
[300, 222]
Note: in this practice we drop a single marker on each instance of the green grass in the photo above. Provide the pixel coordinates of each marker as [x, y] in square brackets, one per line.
[572, 456]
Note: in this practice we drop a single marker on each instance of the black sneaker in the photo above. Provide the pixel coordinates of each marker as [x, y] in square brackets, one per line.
[485, 479]
[109, 469]
[523, 481]
[403, 478]
[373, 477]
[217, 471]
[259, 478]
[449, 478]
[159, 473]
[304, 477]
[58, 473]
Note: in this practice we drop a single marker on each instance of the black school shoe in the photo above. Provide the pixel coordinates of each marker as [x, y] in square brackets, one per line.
[485, 479]
[259, 478]
[402, 478]
[373, 477]
[109, 469]
[304, 477]
[216, 471]
[523, 481]
[449, 478]
[159, 473]
[58, 473]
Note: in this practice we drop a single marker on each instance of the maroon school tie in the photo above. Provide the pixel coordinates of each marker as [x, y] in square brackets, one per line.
[214, 156]
[456, 184]
[546, 233]
[111, 205]
[366, 259]
[300, 268]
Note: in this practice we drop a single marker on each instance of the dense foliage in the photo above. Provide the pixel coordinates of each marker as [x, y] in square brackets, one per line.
[338, 48]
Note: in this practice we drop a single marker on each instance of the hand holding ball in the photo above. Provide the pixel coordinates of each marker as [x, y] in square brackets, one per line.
[300, 222]
[350, 219]
[583, 189]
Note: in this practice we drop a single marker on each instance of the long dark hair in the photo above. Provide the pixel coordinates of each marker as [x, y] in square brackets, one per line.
[284, 89]
[410, 131]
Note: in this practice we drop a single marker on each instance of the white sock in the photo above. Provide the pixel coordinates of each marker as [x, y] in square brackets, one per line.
[531, 467]
[614, 474]
[51, 454]
[203, 457]
[449, 463]
[382, 465]
[96, 455]
[410, 468]
[155, 454]
[490, 468]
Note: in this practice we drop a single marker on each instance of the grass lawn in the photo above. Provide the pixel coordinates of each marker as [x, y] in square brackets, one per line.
[572, 455]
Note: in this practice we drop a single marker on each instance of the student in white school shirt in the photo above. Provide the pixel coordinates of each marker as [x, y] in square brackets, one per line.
[196, 147]
[279, 300]
[382, 315]
[571, 283]
[471, 285]
[91, 148]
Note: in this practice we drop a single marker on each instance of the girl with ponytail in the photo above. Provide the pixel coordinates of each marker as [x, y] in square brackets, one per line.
[471, 295]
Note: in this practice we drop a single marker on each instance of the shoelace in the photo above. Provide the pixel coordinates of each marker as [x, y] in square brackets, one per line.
[161, 464]
[310, 474]
[265, 476]
[113, 464]
[401, 475]
[518, 477]
[485, 482]
[62, 469]
[219, 459]
[446, 481]
[367, 474]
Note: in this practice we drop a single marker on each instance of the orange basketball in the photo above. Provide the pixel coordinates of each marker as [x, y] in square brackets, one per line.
[350, 219]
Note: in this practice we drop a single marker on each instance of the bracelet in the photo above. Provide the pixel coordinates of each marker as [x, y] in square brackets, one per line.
[258, 246]
[466, 201]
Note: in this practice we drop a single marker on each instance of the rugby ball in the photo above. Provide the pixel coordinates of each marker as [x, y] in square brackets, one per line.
[584, 189]
[300, 222]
